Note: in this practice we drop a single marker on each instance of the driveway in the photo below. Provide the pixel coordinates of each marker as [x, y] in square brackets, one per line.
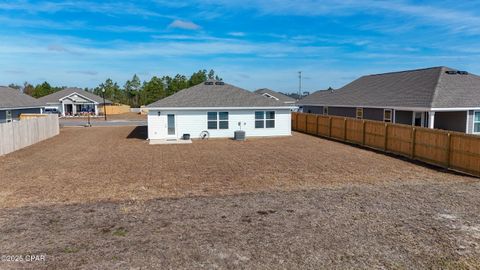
[96, 123]
[126, 119]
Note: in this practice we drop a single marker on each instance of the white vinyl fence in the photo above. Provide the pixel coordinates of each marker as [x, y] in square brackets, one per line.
[19, 134]
[135, 110]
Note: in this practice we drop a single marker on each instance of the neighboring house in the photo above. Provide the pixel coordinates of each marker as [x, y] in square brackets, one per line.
[73, 101]
[275, 95]
[438, 97]
[13, 103]
[218, 109]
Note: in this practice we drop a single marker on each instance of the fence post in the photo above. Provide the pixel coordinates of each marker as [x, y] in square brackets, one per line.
[386, 137]
[449, 150]
[363, 132]
[296, 121]
[414, 131]
[292, 120]
[316, 125]
[345, 129]
[330, 126]
[306, 123]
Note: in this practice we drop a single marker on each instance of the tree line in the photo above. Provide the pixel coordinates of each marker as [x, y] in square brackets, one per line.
[134, 92]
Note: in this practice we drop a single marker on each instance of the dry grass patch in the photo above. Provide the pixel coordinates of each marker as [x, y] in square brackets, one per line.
[116, 163]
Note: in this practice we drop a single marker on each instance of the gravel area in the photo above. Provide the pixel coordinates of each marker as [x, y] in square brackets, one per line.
[103, 198]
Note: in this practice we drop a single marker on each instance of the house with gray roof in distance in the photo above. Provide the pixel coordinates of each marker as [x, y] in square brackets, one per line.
[275, 95]
[73, 101]
[437, 97]
[13, 103]
[217, 109]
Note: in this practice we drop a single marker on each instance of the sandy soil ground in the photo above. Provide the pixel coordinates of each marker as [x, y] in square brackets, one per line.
[103, 198]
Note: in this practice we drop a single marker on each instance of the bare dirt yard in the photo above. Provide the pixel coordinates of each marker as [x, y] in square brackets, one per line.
[102, 198]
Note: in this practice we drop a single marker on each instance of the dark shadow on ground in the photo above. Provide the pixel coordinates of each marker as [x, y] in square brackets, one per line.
[140, 133]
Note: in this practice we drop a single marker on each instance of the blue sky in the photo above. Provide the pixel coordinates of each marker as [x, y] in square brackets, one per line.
[251, 44]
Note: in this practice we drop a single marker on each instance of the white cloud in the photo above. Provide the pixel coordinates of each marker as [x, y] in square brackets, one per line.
[455, 20]
[110, 8]
[124, 28]
[181, 24]
[84, 72]
[35, 23]
[57, 48]
[237, 34]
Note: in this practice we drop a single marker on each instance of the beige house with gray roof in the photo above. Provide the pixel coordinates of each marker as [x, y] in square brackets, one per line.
[438, 97]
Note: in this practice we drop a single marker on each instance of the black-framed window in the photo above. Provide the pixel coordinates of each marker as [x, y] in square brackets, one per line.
[476, 122]
[265, 119]
[217, 120]
[387, 115]
[259, 119]
[359, 113]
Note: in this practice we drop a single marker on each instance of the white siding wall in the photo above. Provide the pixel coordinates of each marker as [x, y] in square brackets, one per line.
[194, 122]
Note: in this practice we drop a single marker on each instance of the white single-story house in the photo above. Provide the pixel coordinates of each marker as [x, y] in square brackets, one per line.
[217, 109]
[13, 103]
[437, 97]
[73, 101]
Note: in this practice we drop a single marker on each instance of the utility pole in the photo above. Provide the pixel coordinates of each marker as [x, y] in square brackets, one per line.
[299, 84]
[104, 107]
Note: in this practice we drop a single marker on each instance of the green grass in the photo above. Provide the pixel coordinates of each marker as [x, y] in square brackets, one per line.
[120, 232]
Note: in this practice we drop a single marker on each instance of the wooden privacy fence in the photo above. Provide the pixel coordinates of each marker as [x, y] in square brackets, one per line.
[452, 150]
[114, 109]
[20, 134]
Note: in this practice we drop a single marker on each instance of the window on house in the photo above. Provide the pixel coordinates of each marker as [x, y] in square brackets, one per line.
[264, 119]
[212, 120]
[476, 122]
[270, 119]
[359, 113]
[223, 120]
[387, 115]
[259, 119]
[325, 110]
[217, 120]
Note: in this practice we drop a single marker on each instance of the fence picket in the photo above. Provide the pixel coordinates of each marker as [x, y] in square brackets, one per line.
[453, 150]
[17, 135]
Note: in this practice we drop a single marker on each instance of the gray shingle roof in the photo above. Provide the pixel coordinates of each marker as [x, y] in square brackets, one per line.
[280, 96]
[423, 88]
[12, 98]
[225, 95]
[55, 97]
